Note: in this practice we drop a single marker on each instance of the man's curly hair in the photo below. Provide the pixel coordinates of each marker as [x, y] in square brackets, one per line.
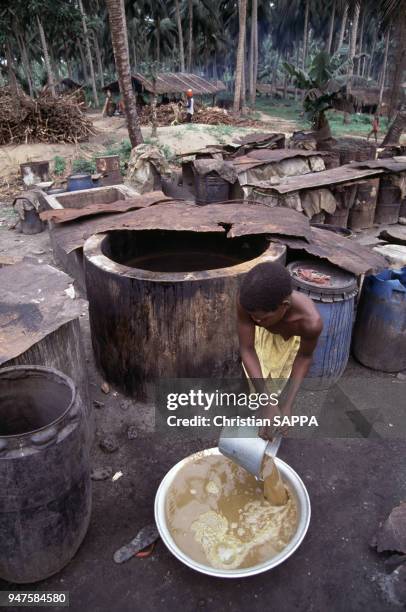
[265, 287]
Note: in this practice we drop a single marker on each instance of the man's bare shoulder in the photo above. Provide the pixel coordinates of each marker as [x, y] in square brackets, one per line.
[311, 323]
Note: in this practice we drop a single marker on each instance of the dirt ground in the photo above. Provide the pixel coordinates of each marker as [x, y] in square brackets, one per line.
[353, 484]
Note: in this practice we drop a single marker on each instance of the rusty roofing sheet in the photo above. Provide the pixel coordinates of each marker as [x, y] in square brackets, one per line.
[33, 304]
[70, 214]
[238, 218]
[267, 156]
[315, 180]
[343, 252]
[175, 82]
[392, 164]
[258, 137]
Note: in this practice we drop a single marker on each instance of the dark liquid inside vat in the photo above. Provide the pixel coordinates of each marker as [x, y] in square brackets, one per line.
[31, 403]
[176, 261]
[163, 251]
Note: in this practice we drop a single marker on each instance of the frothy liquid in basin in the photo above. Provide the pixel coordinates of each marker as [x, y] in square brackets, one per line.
[217, 513]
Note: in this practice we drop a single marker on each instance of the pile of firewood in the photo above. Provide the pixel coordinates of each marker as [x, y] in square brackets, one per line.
[167, 115]
[45, 119]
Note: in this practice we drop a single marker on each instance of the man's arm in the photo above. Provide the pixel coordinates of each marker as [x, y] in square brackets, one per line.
[300, 368]
[301, 365]
[246, 337]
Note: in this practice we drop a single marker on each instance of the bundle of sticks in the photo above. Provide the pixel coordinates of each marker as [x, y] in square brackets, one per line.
[45, 119]
[167, 115]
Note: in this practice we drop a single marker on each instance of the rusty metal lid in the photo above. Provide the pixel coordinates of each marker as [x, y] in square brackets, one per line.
[333, 284]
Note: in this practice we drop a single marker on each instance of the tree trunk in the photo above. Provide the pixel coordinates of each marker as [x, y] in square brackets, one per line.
[360, 43]
[385, 64]
[342, 28]
[305, 33]
[25, 62]
[83, 61]
[323, 132]
[331, 29]
[242, 13]
[254, 53]
[154, 104]
[67, 60]
[353, 44]
[395, 130]
[158, 40]
[89, 54]
[275, 73]
[399, 62]
[119, 39]
[134, 54]
[98, 59]
[180, 37]
[51, 80]
[10, 70]
[351, 54]
[189, 47]
[243, 83]
[371, 59]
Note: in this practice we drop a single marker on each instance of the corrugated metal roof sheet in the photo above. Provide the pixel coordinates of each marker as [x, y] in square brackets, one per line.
[175, 82]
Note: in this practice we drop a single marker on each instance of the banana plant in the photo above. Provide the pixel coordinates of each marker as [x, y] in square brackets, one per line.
[324, 87]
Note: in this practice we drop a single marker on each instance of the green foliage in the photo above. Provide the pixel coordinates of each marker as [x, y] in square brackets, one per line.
[322, 84]
[59, 165]
[85, 166]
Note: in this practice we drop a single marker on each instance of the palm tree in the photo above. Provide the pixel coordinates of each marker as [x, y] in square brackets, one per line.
[395, 11]
[323, 89]
[395, 130]
[89, 53]
[242, 12]
[190, 40]
[180, 37]
[254, 52]
[331, 28]
[305, 33]
[51, 78]
[118, 29]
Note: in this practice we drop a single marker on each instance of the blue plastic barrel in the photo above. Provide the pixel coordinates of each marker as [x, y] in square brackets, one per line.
[79, 181]
[334, 300]
[380, 328]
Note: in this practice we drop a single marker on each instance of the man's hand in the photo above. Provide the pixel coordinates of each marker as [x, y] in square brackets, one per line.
[268, 432]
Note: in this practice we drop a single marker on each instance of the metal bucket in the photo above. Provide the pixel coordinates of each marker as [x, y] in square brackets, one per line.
[289, 476]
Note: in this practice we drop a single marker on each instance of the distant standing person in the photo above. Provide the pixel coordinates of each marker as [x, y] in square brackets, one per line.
[375, 128]
[190, 106]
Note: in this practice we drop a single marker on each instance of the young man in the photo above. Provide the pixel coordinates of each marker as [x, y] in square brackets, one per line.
[375, 128]
[278, 331]
[190, 106]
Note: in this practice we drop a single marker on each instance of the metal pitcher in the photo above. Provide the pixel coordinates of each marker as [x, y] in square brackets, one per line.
[243, 446]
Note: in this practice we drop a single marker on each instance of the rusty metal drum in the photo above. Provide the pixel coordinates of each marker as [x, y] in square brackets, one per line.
[45, 487]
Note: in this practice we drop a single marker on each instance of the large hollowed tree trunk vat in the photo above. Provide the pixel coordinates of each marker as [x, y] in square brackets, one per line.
[163, 303]
[45, 488]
